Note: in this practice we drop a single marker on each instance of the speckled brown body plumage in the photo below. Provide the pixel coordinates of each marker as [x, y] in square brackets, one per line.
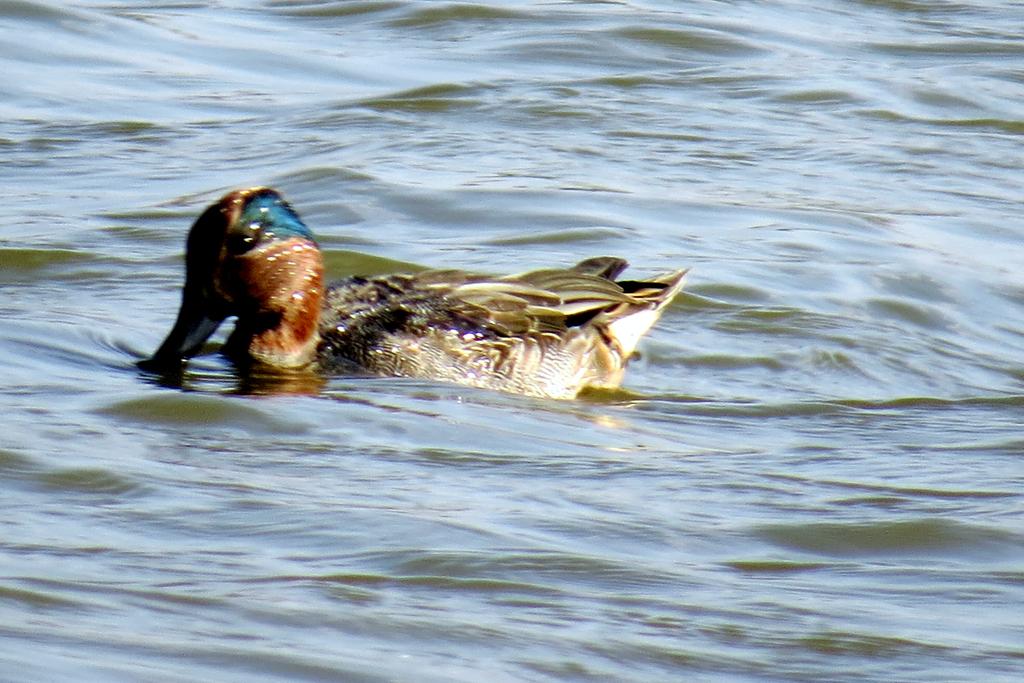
[546, 333]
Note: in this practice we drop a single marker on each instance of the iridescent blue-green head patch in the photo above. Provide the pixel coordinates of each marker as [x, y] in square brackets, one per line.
[265, 211]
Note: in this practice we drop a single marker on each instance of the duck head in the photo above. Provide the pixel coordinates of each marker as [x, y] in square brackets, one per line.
[249, 256]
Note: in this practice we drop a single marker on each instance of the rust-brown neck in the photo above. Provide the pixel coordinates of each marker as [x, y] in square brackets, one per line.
[283, 282]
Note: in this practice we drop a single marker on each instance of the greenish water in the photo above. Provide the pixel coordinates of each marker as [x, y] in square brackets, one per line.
[814, 472]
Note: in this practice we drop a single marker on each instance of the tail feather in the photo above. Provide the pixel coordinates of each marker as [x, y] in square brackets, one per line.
[628, 323]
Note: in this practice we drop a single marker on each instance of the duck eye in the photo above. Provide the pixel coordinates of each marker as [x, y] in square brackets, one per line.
[243, 238]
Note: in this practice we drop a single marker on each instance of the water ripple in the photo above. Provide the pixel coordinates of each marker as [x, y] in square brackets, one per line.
[924, 537]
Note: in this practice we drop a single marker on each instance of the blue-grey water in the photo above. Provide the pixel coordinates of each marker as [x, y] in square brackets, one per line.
[814, 472]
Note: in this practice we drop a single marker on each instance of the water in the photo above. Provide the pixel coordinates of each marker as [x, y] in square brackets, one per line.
[814, 472]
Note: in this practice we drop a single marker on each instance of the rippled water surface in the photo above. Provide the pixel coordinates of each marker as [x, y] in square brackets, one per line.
[814, 472]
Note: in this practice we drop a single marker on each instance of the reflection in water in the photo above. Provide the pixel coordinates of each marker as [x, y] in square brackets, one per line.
[251, 380]
[297, 382]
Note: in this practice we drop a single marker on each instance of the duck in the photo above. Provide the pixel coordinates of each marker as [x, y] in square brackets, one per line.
[547, 333]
